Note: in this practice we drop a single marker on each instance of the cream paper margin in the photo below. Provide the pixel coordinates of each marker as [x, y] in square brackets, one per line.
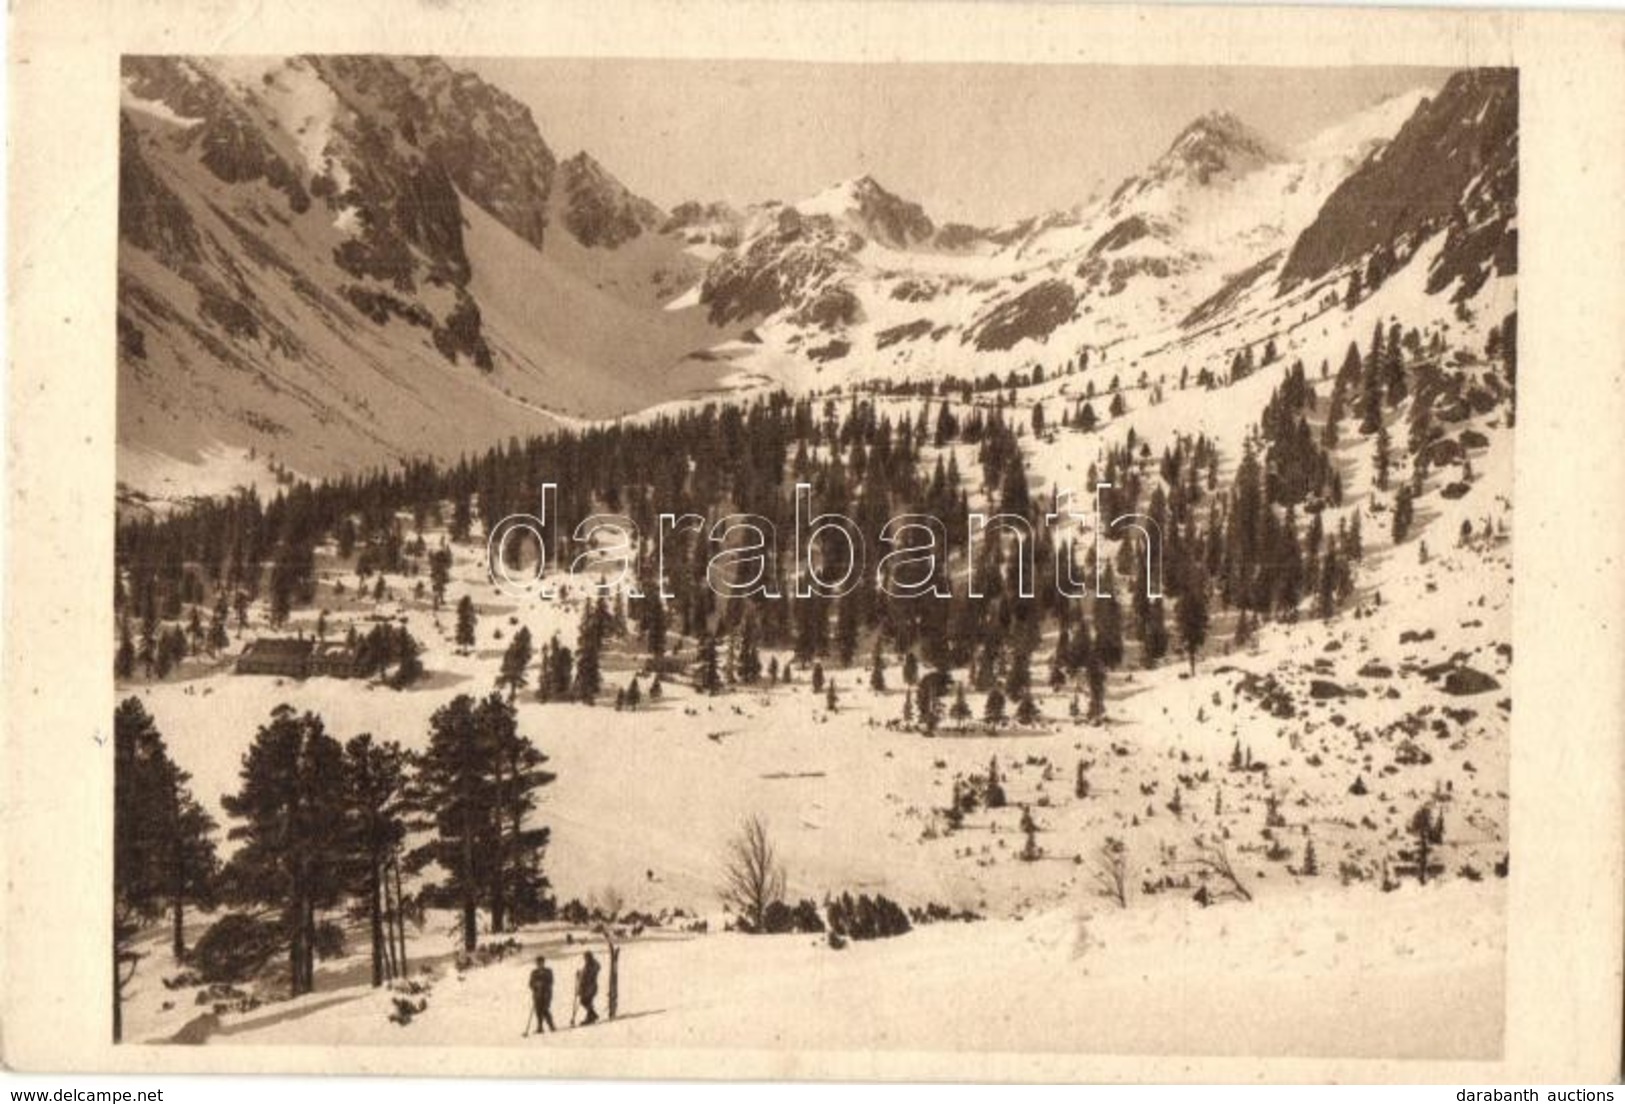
[1568, 772]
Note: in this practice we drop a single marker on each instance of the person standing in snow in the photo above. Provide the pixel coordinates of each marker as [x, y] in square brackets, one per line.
[541, 995]
[587, 987]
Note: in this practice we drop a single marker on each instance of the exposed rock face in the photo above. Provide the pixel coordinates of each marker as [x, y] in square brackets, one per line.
[1463, 681]
[889, 218]
[1200, 234]
[779, 267]
[705, 223]
[1214, 146]
[151, 216]
[599, 210]
[1124, 233]
[1453, 167]
[1033, 314]
[298, 269]
[348, 248]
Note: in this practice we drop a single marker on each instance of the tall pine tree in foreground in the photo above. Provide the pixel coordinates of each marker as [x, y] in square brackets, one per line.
[475, 786]
[375, 783]
[455, 793]
[162, 852]
[518, 890]
[291, 810]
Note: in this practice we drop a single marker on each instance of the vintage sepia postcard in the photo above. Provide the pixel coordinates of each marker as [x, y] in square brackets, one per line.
[723, 539]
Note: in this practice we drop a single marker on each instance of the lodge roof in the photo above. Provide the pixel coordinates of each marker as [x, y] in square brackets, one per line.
[279, 648]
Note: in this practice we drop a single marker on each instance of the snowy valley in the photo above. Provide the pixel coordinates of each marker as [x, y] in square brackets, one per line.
[1248, 798]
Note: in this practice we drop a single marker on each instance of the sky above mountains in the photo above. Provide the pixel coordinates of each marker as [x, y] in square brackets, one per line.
[984, 144]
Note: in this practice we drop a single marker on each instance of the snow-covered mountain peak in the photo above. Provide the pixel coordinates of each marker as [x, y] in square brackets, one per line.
[1216, 143]
[864, 206]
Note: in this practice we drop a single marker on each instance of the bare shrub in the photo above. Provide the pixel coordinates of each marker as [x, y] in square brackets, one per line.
[1213, 862]
[752, 877]
[1111, 871]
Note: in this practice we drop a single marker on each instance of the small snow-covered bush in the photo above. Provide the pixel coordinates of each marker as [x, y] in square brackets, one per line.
[866, 917]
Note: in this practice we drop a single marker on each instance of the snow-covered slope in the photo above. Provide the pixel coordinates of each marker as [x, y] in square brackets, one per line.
[857, 283]
[1316, 731]
[323, 258]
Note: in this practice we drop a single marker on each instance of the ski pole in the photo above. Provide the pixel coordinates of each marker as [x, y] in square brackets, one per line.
[528, 1019]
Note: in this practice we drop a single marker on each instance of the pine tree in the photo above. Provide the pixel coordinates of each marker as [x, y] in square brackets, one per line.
[1030, 851]
[124, 658]
[846, 629]
[959, 712]
[477, 783]
[1393, 367]
[707, 668]
[467, 620]
[518, 888]
[408, 660]
[589, 678]
[749, 658]
[993, 708]
[515, 662]
[1193, 621]
[654, 623]
[929, 692]
[832, 700]
[219, 641]
[163, 853]
[291, 813]
[1156, 634]
[1108, 622]
[995, 798]
[439, 574]
[375, 785]
[1027, 711]
[1427, 832]
[877, 669]
[1371, 386]
[1096, 673]
[1404, 514]
[139, 790]
[454, 790]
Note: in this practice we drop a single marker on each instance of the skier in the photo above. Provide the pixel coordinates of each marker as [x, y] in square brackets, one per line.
[541, 995]
[587, 987]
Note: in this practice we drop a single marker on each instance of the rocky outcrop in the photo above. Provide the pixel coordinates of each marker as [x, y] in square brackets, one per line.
[1452, 168]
